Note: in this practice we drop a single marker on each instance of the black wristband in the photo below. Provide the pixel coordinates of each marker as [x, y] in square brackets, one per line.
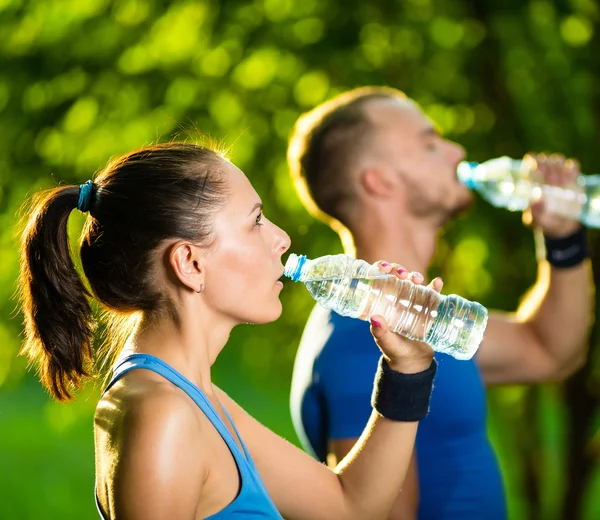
[402, 397]
[569, 251]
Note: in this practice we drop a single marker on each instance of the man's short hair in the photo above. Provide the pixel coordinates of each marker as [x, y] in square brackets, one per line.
[324, 144]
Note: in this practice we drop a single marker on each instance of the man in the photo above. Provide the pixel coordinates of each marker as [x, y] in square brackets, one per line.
[371, 165]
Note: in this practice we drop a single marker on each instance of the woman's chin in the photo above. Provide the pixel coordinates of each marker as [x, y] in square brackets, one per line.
[272, 314]
[275, 315]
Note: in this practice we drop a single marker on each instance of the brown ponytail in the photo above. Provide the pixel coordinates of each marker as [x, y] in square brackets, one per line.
[58, 316]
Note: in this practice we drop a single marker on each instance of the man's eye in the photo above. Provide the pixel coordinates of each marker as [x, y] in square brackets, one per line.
[258, 219]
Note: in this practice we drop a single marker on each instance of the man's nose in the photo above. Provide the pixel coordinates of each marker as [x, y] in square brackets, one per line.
[457, 152]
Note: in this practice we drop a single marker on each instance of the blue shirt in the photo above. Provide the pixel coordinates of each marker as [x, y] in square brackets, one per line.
[459, 477]
[253, 501]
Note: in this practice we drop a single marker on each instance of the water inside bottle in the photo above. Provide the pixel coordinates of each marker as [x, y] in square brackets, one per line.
[409, 309]
[356, 289]
[451, 324]
[590, 215]
[510, 184]
[459, 327]
[330, 292]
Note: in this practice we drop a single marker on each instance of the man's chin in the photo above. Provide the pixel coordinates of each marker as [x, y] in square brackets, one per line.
[462, 206]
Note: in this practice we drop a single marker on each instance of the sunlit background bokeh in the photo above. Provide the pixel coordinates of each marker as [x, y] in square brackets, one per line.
[83, 80]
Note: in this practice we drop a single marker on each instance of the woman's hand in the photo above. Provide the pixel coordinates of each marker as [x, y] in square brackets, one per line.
[402, 354]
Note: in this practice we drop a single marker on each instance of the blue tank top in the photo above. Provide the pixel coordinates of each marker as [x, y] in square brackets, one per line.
[252, 501]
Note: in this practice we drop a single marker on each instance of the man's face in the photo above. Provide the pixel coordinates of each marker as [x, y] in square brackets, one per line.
[404, 140]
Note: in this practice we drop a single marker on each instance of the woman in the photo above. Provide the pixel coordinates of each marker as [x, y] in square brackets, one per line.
[176, 238]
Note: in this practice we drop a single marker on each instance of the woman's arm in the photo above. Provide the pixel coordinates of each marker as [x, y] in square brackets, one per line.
[364, 485]
[367, 481]
[406, 506]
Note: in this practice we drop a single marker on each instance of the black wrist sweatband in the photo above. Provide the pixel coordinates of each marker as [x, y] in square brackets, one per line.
[402, 397]
[568, 251]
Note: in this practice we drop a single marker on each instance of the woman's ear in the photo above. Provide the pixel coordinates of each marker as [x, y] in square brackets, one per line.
[186, 261]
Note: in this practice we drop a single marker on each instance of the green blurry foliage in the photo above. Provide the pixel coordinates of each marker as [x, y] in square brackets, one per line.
[81, 81]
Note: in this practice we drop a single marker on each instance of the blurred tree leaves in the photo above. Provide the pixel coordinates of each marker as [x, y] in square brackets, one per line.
[81, 81]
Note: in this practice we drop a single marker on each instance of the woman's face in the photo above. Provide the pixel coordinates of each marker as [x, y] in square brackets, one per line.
[243, 265]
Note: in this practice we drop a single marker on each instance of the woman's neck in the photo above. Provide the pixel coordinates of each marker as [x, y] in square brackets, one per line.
[189, 344]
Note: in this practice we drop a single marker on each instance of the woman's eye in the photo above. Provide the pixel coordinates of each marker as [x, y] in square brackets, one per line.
[258, 219]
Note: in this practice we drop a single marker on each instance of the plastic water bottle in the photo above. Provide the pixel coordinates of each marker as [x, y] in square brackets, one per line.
[510, 183]
[357, 289]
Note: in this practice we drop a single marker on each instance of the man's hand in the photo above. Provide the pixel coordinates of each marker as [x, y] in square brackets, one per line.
[552, 170]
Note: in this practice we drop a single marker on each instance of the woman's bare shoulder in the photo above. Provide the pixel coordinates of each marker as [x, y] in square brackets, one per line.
[147, 434]
[141, 398]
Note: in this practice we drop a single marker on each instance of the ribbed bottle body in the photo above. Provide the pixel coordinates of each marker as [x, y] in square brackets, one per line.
[357, 289]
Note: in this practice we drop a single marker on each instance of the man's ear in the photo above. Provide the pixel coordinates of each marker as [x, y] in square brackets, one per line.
[377, 182]
[187, 263]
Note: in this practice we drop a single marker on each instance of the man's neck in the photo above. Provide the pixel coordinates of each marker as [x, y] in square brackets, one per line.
[405, 241]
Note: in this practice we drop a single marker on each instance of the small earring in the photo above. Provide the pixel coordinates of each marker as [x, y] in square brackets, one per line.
[201, 289]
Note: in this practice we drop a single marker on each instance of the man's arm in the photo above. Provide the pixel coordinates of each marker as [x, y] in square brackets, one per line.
[546, 338]
[406, 506]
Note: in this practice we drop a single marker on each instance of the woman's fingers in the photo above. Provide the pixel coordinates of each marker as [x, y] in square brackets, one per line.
[416, 278]
[436, 284]
[383, 266]
[403, 355]
[379, 326]
[401, 272]
[389, 268]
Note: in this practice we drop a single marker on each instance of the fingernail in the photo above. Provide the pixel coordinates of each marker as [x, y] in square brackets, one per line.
[375, 323]
[400, 271]
[384, 264]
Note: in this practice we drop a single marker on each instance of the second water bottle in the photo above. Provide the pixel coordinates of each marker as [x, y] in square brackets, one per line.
[510, 183]
[357, 289]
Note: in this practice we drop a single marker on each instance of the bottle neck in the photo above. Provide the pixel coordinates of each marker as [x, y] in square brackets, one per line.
[466, 173]
[293, 267]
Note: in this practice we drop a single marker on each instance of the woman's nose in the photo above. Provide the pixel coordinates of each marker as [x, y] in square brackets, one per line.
[282, 241]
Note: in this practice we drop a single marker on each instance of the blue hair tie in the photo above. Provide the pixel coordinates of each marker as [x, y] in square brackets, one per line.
[86, 193]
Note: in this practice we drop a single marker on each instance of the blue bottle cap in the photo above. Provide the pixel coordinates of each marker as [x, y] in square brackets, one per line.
[465, 173]
[293, 266]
